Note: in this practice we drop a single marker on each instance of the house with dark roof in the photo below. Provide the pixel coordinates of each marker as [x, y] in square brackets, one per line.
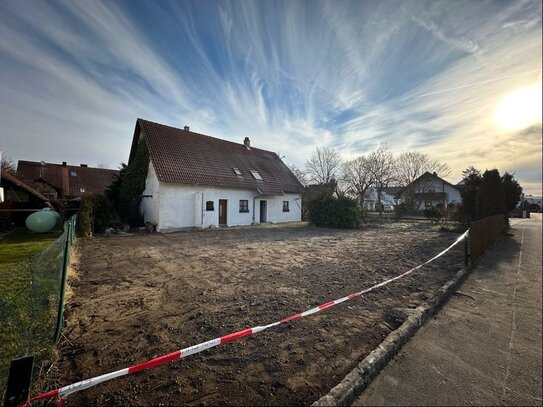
[195, 180]
[63, 181]
[430, 190]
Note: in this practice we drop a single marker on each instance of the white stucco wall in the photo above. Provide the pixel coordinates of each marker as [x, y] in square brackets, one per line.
[150, 201]
[452, 195]
[175, 206]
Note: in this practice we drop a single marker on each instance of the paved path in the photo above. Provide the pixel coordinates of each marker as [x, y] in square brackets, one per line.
[484, 346]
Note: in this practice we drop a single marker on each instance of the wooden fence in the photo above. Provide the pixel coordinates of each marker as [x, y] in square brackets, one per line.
[483, 233]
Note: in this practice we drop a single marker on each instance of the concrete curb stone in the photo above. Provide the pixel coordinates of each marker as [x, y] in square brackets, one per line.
[358, 379]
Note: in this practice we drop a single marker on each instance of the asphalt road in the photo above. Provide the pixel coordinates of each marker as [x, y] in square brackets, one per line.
[484, 347]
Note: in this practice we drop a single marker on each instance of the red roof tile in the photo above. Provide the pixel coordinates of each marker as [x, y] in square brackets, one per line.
[69, 180]
[185, 157]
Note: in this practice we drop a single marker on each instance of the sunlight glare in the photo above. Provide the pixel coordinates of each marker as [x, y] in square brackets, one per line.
[519, 109]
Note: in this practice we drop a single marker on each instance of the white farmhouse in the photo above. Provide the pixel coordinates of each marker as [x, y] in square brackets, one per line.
[200, 181]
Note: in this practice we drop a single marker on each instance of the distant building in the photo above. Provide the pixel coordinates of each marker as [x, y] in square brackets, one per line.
[430, 190]
[63, 181]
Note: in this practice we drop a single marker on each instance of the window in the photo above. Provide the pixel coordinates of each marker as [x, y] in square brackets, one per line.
[82, 190]
[209, 206]
[285, 206]
[243, 205]
[256, 174]
[73, 173]
[237, 171]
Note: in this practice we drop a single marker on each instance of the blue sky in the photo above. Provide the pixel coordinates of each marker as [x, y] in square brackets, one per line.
[291, 75]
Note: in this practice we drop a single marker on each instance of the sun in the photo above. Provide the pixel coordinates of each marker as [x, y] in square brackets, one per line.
[519, 109]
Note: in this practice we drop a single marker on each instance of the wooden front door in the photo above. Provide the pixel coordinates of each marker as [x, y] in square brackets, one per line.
[263, 211]
[222, 212]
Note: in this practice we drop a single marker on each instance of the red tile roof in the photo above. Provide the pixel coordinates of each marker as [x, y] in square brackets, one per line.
[184, 157]
[62, 178]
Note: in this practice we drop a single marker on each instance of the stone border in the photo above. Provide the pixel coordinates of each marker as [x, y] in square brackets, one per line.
[360, 377]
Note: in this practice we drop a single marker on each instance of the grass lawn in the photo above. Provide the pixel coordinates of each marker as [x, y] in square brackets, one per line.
[26, 313]
[15, 249]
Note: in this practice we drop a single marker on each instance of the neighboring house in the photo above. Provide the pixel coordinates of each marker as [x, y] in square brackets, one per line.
[389, 198]
[431, 190]
[18, 201]
[196, 180]
[63, 181]
[534, 202]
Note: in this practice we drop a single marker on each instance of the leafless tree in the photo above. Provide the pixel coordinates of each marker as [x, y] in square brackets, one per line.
[298, 173]
[413, 164]
[382, 166]
[358, 177]
[410, 166]
[323, 165]
[7, 164]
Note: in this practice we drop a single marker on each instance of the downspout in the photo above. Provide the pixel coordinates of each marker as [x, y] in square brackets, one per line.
[202, 223]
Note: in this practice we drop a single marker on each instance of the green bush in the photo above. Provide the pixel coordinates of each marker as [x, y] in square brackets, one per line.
[331, 212]
[432, 213]
[132, 186]
[94, 214]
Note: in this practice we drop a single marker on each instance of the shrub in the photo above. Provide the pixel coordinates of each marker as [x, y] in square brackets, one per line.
[132, 186]
[400, 210]
[432, 213]
[94, 214]
[331, 212]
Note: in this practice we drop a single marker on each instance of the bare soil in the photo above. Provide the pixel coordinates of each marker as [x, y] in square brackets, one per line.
[146, 295]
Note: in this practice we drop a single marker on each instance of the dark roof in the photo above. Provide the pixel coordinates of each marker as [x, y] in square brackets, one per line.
[429, 174]
[184, 157]
[11, 179]
[59, 176]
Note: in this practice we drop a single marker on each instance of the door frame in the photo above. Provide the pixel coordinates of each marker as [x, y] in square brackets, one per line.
[263, 214]
[223, 211]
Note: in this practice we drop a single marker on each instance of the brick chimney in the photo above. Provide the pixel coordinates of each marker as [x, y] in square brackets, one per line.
[186, 128]
[247, 143]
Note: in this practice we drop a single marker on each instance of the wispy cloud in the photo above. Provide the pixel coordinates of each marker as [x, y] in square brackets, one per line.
[290, 75]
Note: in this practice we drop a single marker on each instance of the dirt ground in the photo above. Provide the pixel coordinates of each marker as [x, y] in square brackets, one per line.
[146, 295]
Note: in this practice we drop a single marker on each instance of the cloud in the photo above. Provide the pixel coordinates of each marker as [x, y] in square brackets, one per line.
[289, 75]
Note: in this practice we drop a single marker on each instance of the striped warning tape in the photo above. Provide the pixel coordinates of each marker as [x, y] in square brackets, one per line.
[65, 391]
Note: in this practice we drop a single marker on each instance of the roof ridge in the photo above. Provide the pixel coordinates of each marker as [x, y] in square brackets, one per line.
[206, 135]
[67, 165]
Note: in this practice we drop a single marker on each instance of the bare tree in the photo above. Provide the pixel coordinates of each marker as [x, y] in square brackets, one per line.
[358, 177]
[413, 164]
[382, 166]
[323, 165]
[298, 173]
[7, 164]
[410, 166]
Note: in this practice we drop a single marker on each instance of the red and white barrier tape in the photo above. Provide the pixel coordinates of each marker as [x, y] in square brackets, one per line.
[65, 391]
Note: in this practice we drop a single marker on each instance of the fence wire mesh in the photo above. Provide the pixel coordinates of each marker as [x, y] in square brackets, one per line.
[29, 317]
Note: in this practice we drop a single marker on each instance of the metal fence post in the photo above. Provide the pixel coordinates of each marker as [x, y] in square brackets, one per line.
[466, 250]
[65, 263]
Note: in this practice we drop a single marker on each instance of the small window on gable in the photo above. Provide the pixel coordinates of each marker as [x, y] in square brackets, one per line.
[285, 206]
[243, 205]
[209, 206]
[73, 174]
[256, 174]
[237, 171]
